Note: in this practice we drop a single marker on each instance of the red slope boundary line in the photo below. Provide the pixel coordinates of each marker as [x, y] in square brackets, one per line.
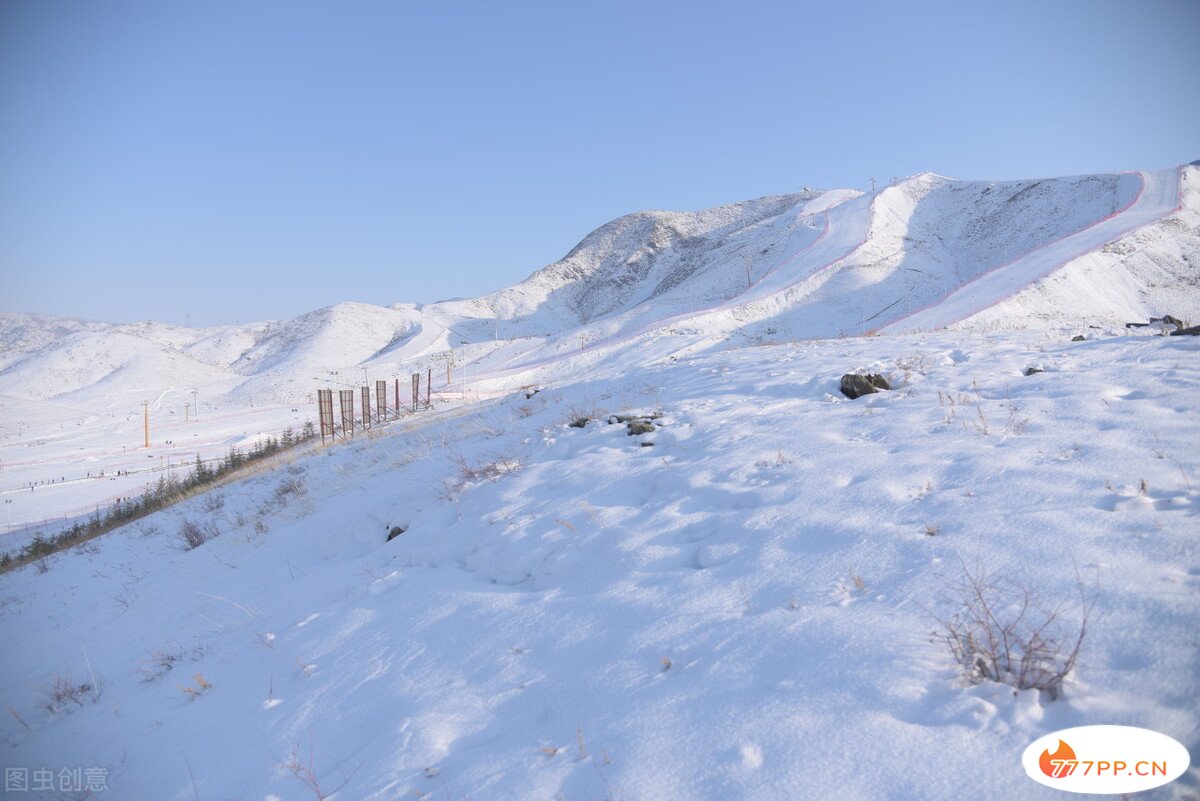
[933, 304]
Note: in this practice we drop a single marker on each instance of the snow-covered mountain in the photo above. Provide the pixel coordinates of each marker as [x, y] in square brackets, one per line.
[514, 596]
[926, 253]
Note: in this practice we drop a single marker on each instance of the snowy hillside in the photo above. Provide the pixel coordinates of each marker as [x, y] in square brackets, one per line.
[736, 605]
[484, 601]
[926, 253]
[811, 264]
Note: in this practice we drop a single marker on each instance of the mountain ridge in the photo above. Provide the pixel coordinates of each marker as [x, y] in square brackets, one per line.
[805, 264]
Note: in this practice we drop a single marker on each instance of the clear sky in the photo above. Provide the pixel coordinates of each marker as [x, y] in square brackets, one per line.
[218, 160]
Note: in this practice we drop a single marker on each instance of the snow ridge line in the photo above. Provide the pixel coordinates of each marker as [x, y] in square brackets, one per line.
[1059, 265]
[733, 303]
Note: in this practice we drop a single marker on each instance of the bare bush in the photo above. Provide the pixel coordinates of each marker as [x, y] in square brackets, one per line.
[62, 692]
[952, 402]
[213, 503]
[482, 427]
[162, 660]
[1016, 424]
[288, 489]
[193, 535]
[980, 424]
[1000, 630]
[303, 771]
[579, 416]
[486, 469]
[916, 363]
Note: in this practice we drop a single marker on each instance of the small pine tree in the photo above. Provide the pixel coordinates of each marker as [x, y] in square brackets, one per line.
[199, 472]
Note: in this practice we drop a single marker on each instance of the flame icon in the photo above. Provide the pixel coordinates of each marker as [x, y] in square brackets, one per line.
[1058, 764]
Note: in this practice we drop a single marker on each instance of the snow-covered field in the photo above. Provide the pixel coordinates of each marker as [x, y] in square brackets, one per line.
[738, 604]
[740, 610]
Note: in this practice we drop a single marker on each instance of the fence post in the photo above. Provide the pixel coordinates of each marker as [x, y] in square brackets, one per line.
[325, 409]
[346, 401]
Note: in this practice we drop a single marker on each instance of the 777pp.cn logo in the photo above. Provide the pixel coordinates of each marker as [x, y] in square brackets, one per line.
[1105, 759]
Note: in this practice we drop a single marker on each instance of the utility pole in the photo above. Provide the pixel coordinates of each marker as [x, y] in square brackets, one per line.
[464, 367]
[872, 184]
[187, 408]
[146, 421]
[195, 404]
[449, 366]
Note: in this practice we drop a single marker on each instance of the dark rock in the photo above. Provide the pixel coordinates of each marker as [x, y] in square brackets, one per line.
[1032, 370]
[531, 393]
[395, 532]
[855, 386]
[1079, 338]
[580, 422]
[1194, 331]
[639, 427]
[629, 418]
[1163, 321]
[647, 444]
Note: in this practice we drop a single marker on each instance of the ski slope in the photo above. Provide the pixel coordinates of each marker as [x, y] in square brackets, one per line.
[1158, 194]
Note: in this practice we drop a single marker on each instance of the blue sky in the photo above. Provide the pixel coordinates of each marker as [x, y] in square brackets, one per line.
[214, 161]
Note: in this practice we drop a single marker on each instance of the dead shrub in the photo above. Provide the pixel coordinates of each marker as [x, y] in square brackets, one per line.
[62, 692]
[213, 503]
[486, 469]
[288, 489]
[193, 535]
[1000, 630]
[163, 660]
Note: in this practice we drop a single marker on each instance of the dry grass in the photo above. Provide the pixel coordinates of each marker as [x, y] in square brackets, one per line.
[201, 686]
[304, 772]
[61, 693]
[163, 660]
[469, 472]
[290, 488]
